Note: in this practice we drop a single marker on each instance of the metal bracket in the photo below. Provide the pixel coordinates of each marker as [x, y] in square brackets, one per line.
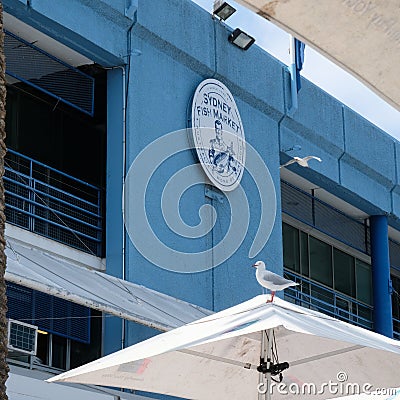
[273, 369]
[131, 9]
[390, 286]
[211, 193]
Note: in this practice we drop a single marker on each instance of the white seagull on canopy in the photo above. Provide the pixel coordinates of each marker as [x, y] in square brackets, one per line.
[270, 280]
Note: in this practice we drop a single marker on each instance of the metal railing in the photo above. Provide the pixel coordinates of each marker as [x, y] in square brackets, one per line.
[396, 328]
[394, 253]
[317, 297]
[53, 204]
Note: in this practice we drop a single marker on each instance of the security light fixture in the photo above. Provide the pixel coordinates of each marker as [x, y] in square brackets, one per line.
[223, 10]
[241, 39]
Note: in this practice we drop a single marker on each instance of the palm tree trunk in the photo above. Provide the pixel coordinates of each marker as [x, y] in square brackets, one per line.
[3, 298]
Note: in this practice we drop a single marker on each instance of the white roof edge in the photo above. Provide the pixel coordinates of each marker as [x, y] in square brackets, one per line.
[40, 242]
[57, 276]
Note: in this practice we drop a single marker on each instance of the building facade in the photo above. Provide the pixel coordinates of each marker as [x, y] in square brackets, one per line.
[102, 173]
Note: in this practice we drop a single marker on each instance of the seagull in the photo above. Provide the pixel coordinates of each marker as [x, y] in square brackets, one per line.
[270, 280]
[301, 161]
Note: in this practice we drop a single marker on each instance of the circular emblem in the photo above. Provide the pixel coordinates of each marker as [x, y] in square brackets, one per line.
[218, 134]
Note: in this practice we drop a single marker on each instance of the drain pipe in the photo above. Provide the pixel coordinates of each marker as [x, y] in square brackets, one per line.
[123, 268]
[125, 81]
[123, 150]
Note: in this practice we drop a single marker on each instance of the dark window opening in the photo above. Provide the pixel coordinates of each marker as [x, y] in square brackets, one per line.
[69, 334]
[56, 134]
[331, 280]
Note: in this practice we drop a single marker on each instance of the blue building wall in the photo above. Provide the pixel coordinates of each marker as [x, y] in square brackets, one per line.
[168, 48]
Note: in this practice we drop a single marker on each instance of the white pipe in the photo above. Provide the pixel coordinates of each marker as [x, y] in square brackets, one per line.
[123, 192]
[264, 381]
[261, 383]
[123, 186]
[123, 165]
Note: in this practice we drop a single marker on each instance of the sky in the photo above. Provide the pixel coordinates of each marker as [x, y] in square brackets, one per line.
[316, 69]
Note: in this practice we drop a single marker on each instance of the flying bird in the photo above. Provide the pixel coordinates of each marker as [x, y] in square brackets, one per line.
[270, 280]
[301, 161]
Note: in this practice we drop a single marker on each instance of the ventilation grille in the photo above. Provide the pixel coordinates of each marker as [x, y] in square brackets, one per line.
[28, 64]
[314, 212]
[49, 313]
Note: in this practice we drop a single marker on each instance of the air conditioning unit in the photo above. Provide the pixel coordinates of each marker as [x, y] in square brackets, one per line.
[22, 337]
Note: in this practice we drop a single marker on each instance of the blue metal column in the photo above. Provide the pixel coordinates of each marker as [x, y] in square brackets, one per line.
[112, 330]
[383, 322]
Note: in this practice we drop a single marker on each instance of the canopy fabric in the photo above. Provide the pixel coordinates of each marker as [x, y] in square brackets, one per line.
[217, 356]
[391, 394]
[55, 275]
[363, 37]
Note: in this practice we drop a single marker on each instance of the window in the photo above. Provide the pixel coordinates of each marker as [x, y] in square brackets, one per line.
[295, 249]
[396, 305]
[363, 282]
[69, 334]
[62, 353]
[304, 254]
[58, 353]
[291, 259]
[344, 272]
[321, 261]
[332, 281]
[56, 134]
[82, 353]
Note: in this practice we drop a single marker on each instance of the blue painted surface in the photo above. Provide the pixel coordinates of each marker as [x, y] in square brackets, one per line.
[360, 161]
[114, 226]
[169, 26]
[318, 118]
[383, 322]
[319, 131]
[368, 166]
[321, 125]
[253, 76]
[147, 120]
[180, 45]
[395, 195]
[187, 58]
[91, 27]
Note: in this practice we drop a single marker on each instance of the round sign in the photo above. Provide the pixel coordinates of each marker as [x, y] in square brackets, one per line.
[218, 134]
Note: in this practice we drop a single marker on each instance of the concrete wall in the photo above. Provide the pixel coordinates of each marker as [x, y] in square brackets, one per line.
[171, 46]
[359, 160]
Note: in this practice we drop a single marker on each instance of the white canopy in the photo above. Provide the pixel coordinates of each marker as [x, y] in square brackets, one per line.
[217, 356]
[361, 36]
[390, 394]
[55, 275]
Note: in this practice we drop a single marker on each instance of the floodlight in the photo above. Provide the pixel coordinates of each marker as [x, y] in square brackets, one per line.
[223, 10]
[241, 39]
